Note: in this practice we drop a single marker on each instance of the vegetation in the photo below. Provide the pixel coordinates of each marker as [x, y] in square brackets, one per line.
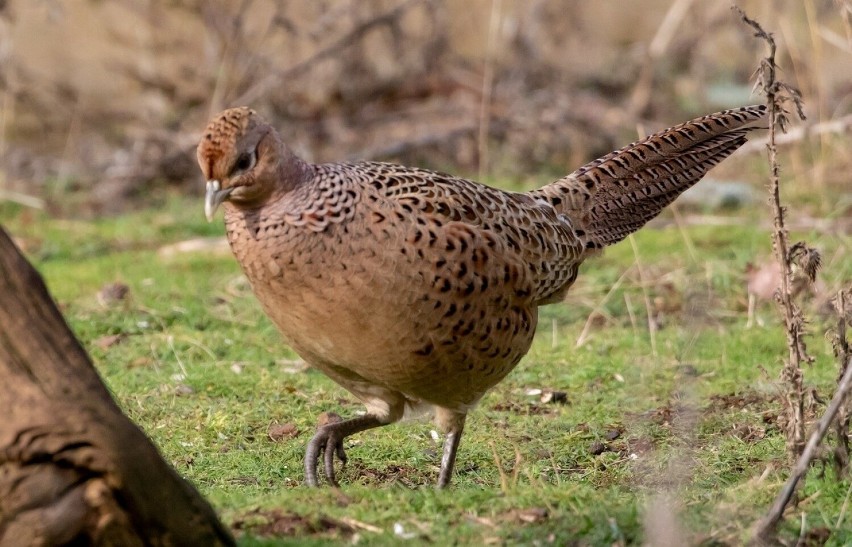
[609, 442]
[646, 409]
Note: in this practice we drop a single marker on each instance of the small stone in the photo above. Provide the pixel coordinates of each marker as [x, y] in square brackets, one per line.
[597, 448]
[535, 514]
[613, 434]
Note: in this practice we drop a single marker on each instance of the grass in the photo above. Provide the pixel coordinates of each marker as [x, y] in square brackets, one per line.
[690, 414]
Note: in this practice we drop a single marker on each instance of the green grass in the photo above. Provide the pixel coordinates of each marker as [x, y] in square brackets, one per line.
[205, 374]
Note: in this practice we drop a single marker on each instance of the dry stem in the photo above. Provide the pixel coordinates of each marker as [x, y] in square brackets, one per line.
[488, 87]
[777, 93]
[843, 352]
[807, 260]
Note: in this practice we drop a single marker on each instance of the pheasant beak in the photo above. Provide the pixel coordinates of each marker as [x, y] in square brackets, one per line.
[214, 197]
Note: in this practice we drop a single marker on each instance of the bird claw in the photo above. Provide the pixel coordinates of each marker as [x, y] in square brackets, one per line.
[341, 453]
[326, 442]
[333, 447]
[329, 439]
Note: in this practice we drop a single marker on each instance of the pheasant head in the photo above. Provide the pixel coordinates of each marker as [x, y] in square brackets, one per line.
[244, 161]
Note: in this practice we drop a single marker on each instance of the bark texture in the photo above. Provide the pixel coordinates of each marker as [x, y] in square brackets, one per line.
[73, 468]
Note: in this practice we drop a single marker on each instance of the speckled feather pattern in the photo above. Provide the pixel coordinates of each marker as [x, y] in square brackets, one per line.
[408, 286]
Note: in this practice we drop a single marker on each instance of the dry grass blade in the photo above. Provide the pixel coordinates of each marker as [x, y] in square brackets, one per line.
[652, 328]
[488, 87]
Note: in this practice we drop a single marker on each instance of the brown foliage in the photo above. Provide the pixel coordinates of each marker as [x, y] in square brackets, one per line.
[108, 97]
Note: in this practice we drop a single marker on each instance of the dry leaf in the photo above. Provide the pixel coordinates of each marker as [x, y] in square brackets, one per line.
[280, 432]
[105, 342]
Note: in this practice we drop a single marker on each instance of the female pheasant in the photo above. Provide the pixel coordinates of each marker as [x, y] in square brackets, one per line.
[409, 287]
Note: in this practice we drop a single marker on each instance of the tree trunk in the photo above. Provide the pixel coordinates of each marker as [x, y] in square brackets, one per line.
[73, 468]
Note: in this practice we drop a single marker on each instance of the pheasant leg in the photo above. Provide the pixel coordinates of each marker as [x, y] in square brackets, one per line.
[329, 438]
[448, 459]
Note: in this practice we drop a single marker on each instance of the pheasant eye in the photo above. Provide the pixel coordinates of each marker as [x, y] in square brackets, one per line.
[243, 162]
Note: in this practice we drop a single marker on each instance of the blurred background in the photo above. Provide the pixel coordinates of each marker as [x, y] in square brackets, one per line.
[103, 102]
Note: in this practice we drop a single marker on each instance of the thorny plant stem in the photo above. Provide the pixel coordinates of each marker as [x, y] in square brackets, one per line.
[779, 238]
[793, 367]
[776, 93]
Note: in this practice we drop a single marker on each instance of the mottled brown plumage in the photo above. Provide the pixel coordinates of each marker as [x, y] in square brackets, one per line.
[409, 287]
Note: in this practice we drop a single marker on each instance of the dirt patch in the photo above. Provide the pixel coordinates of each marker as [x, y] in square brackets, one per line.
[640, 445]
[278, 523]
[663, 415]
[758, 403]
[410, 477]
[526, 409]
[764, 405]
[750, 400]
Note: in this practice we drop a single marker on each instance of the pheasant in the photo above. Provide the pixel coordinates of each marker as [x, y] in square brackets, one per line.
[414, 289]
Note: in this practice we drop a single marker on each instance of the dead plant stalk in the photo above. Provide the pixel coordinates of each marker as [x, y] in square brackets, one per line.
[808, 259]
[776, 93]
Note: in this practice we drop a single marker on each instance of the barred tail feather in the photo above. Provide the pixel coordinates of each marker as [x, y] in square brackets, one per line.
[613, 196]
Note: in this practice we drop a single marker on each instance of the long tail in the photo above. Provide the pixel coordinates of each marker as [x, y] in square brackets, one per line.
[615, 195]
